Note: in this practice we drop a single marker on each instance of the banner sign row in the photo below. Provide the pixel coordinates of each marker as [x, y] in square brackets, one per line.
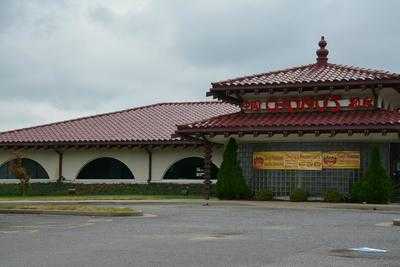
[306, 160]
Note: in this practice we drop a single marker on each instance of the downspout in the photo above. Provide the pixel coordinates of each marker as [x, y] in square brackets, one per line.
[150, 160]
[60, 166]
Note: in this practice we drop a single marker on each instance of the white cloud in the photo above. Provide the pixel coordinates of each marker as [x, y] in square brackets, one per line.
[17, 114]
[66, 58]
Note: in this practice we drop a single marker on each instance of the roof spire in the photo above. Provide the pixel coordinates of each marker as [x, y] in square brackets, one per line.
[322, 52]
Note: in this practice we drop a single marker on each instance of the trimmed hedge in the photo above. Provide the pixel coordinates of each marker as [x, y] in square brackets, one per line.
[334, 196]
[298, 195]
[264, 195]
[61, 189]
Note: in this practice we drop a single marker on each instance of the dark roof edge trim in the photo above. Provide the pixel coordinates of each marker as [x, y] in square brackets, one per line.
[99, 143]
[303, 85]
[281, 129]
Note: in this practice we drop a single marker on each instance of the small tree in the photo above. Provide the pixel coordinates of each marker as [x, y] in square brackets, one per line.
[17, 168]
[231, 183]
[376, 186]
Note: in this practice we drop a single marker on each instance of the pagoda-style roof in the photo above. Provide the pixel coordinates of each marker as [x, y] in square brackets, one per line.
[316, 76]
[365, 121]
[307, 74]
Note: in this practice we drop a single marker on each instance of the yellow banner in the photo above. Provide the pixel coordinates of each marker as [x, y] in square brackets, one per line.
[287, 160]
[306, 160]
[341, 160]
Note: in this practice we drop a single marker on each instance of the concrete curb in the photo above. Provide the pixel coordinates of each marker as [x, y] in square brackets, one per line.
[374, 207]
[78, 213]
[258, 204]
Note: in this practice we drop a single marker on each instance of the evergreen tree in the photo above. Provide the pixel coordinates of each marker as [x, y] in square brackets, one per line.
[231, 183]
[376, 186]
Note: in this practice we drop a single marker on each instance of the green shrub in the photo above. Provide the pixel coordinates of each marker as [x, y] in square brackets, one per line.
[264, 195]
[376, 186]
[333, 196]
[61, 189]
[231, 183]
[298, 195]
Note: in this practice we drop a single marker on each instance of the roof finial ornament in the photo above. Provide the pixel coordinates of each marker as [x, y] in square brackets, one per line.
[322, 52]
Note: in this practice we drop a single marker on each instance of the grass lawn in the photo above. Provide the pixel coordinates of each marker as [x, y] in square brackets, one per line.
[99, 197]
[68, 209]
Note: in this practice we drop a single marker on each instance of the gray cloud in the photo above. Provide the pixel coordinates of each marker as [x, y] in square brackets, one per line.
[61, 59]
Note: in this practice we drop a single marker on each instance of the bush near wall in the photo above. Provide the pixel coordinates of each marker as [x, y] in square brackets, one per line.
[231, 183]
[298, 195]
[264, 195]
[376, 185]
[334, 196]
[55, 189]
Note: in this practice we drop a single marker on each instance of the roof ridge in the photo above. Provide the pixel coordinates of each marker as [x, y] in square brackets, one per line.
[264, 73]
[109, 113]
[375, 71]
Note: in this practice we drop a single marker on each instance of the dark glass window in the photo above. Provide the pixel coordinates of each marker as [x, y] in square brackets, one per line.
[34, 170]
[105, 168]
[189, 168]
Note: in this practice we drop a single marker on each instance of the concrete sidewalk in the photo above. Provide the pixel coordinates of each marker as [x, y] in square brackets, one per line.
[258, 204]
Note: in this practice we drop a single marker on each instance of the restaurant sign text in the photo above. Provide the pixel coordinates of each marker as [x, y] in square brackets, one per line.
[306, 160]
[333, 103]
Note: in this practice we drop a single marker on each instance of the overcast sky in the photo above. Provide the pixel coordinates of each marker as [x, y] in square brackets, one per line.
[62, 59]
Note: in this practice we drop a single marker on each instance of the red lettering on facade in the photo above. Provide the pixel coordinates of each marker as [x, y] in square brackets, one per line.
[332, 103]
[368, 102]
[354, 102]
[272, 109]
[252, 105]
[335, 99]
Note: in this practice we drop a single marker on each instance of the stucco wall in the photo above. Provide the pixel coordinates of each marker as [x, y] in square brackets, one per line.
[136, 160]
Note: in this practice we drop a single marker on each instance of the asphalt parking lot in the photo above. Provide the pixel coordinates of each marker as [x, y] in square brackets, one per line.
[195, 235]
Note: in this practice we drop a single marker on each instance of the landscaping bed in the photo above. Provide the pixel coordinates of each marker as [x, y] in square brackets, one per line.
[95, 197]
[79, 189]
[86, 210]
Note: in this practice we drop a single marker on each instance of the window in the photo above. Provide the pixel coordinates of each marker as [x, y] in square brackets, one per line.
[189, 168]
[105, 168]
[34, 169]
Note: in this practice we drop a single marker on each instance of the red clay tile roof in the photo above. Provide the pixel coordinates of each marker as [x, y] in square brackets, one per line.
[312, 73]
[148, 124]
[304, 121]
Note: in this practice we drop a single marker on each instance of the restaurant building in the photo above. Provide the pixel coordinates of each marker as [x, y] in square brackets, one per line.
[311, 126]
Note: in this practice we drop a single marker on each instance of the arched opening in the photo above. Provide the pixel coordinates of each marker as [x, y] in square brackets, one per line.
[189, 168]
[33, 169]
[105, 168]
